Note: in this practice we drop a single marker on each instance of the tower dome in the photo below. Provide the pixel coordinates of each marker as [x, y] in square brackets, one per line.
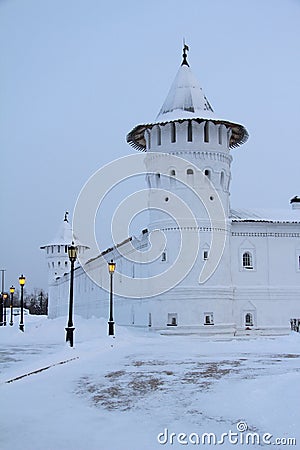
[186, 101]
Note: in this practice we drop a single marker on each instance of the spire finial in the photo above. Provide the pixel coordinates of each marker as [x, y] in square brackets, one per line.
[184, 55]
[66, 217]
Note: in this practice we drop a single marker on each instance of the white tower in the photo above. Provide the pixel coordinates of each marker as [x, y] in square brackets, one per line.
[57, 251]
[187, 127]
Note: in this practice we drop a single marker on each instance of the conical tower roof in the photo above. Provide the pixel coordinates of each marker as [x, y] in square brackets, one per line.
[186, 100]
[64, 235]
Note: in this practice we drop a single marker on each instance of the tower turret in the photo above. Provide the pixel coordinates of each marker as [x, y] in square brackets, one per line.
[57, 250]
[187, 126]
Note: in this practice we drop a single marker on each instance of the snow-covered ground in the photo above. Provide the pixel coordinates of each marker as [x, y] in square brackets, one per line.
[133, 391]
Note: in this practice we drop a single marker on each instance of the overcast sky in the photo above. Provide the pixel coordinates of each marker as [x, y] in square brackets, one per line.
[77, 75]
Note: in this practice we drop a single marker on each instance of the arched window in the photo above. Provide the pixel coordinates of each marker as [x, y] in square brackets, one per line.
[190, 172]
[220, 134]
[248, 320]
[207, 173]
[58, 263]
[247, 260]
[172, 173]
[208, 318]
[66, 263]
[190, 131]
[222, 179]
[172, 320]
[173, 132]
[206, 132]
[158, 135]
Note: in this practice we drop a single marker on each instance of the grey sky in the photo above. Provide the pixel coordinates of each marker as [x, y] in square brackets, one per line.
[77, 75]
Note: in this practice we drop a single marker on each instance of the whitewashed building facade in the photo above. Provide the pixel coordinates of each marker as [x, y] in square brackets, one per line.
[255, 287]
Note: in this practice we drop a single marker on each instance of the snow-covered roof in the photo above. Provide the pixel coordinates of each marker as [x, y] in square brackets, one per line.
[185, 101]
[266, 215]
[64, 236]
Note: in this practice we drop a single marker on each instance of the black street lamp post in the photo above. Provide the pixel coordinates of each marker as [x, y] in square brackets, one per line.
[1, 310]
[11, 290]
[2, 298]
[72, 252]
[111, 323]
[22, 280]
[5, 295]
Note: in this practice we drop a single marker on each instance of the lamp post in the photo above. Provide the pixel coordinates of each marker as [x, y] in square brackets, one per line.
[11, 290]
[111, 323]
[22, 280]
[72, 252]
[1, 310]
[1, 297]
[5, 295]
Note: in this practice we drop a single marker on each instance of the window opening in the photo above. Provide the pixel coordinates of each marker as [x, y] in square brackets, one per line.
[206, 132]
[173, 132]
[190, 131]
[247, 260]
[248, 320]
[208, 319]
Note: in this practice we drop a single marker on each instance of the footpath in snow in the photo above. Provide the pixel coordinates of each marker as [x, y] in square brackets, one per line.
[144, 391]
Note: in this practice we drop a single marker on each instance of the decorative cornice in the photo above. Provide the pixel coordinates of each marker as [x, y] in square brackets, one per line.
[212, 155]
[280, 235]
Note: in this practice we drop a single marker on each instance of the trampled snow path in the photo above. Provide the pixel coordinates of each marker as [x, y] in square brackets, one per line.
[119, 394]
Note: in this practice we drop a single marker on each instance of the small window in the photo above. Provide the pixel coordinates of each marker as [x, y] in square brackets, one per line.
[173, 132]
[58, 248]
[52, 264]
[206, 132]
[222, 179]
[190, 172]
[299, 262]
[158, 135]
[66, 263]
[47, 250]
[164, 256]
[190, 131]
[66, 249]
[207, 173]
[172, 320]
[249, 320]
[247, 260]
[220, 134]
[205, 255]
[149, 320]
[58, 263]
[208, 319]
[52, 247]
[172, 173]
